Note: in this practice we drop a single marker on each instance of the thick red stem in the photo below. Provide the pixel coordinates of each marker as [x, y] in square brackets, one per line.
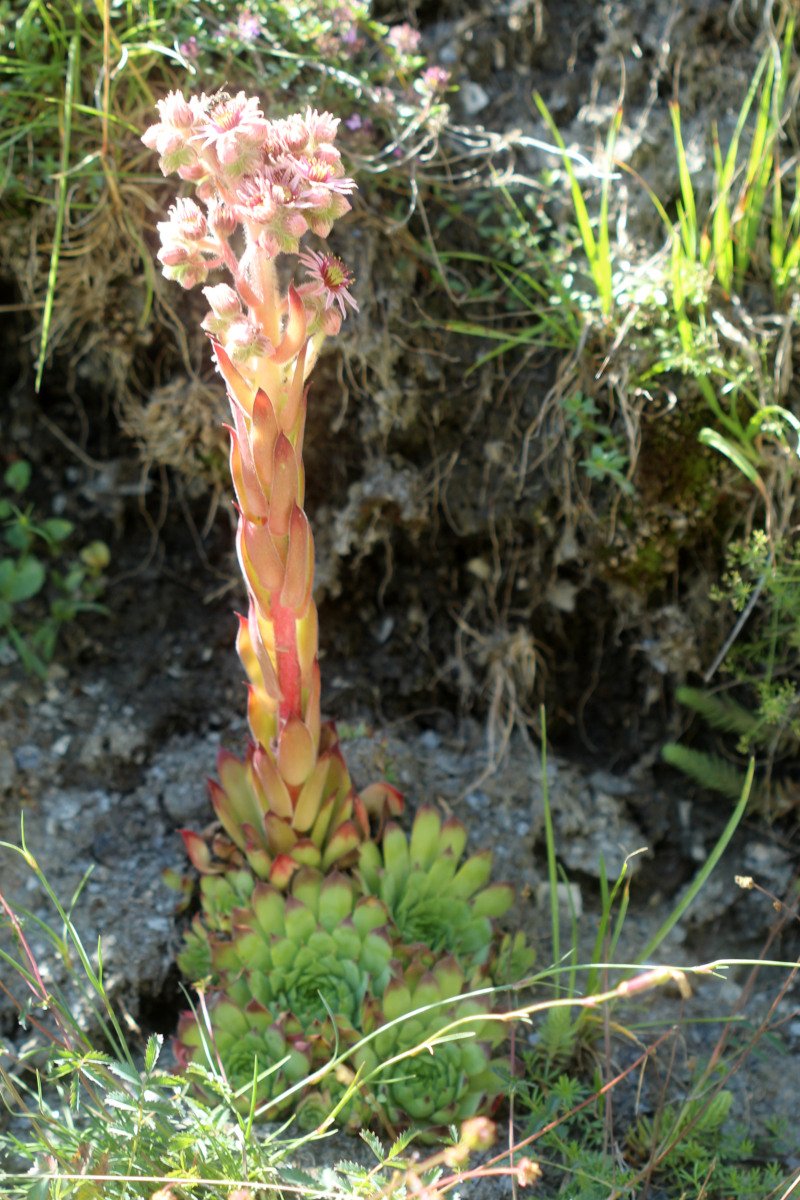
[289, 681]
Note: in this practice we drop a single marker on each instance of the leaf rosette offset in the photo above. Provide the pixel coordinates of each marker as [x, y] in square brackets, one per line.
[433, 1061]
[315, 953]
[248, 1043]
[432, 896]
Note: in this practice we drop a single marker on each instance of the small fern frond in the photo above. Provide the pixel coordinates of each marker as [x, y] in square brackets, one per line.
[720, 711]
[710, 771]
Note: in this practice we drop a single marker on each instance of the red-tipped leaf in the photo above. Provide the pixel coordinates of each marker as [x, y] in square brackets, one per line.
[299, 572]
[263, 435]
[342, 847]
[285, 484]
[294, 334]
[199, 853]
[282, 870]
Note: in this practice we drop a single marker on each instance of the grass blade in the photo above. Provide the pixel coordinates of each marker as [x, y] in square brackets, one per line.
[73, 59]
[702, 875]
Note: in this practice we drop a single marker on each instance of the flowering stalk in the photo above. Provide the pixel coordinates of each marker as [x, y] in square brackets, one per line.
[262, 185]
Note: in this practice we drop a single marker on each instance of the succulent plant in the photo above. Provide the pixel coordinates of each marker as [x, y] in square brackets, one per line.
[274, 828]
[439, 1083]
[320, 950]
[434, 898]
[220, 895]
[297, 957]
[290, 803]
[323, 964]
[301, 959]
[247, 1042]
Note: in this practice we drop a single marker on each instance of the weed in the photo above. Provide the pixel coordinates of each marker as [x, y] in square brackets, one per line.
[760, 706]
[37, 565]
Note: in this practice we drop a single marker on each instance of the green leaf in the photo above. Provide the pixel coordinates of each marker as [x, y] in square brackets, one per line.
[710, 437]
[20, 580]
[27, 657]
[19, 535]
[154, 1043]
[18, 475]
[709, 770]
[56, 529]
[43, 640]
[96, 556]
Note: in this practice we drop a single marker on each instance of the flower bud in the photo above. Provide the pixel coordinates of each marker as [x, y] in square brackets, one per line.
[331, 321]
[175, 111]
[244, 339]
[221, 220]
[193, 172]
[173, 256]
[528, 1172]
[223, 300]
[269, 244]
[296, 224]
[478, 1133]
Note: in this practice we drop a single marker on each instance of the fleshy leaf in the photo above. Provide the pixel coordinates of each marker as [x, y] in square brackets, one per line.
[473, 874]
[425, 837]
[343, 843]
[295, 752]
[494, 900]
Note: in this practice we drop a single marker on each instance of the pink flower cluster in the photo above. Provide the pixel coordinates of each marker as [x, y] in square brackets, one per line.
[404, 38]
[274, 180]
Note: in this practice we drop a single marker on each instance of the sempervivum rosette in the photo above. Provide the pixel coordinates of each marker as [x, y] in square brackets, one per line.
[414, 1070]
[436, 899]
[300, 959]
[247, 1044]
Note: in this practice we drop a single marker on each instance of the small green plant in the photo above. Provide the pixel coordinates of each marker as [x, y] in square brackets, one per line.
[295, 980]
[43, 586]
[727, 241]
[595, 236]
[760, 705]
[608, 457]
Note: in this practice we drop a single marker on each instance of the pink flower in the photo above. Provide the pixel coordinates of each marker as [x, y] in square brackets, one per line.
[288, 134]
[186, 223]
[404, 38]
[235, 130]
[174, 110]
[329, 278]
[248, 26]
[257, 199]
[244, 340]
[434, 79]
[184, 243]
[319, 173]
[321, 127]
[190, 49]
[352, 40]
